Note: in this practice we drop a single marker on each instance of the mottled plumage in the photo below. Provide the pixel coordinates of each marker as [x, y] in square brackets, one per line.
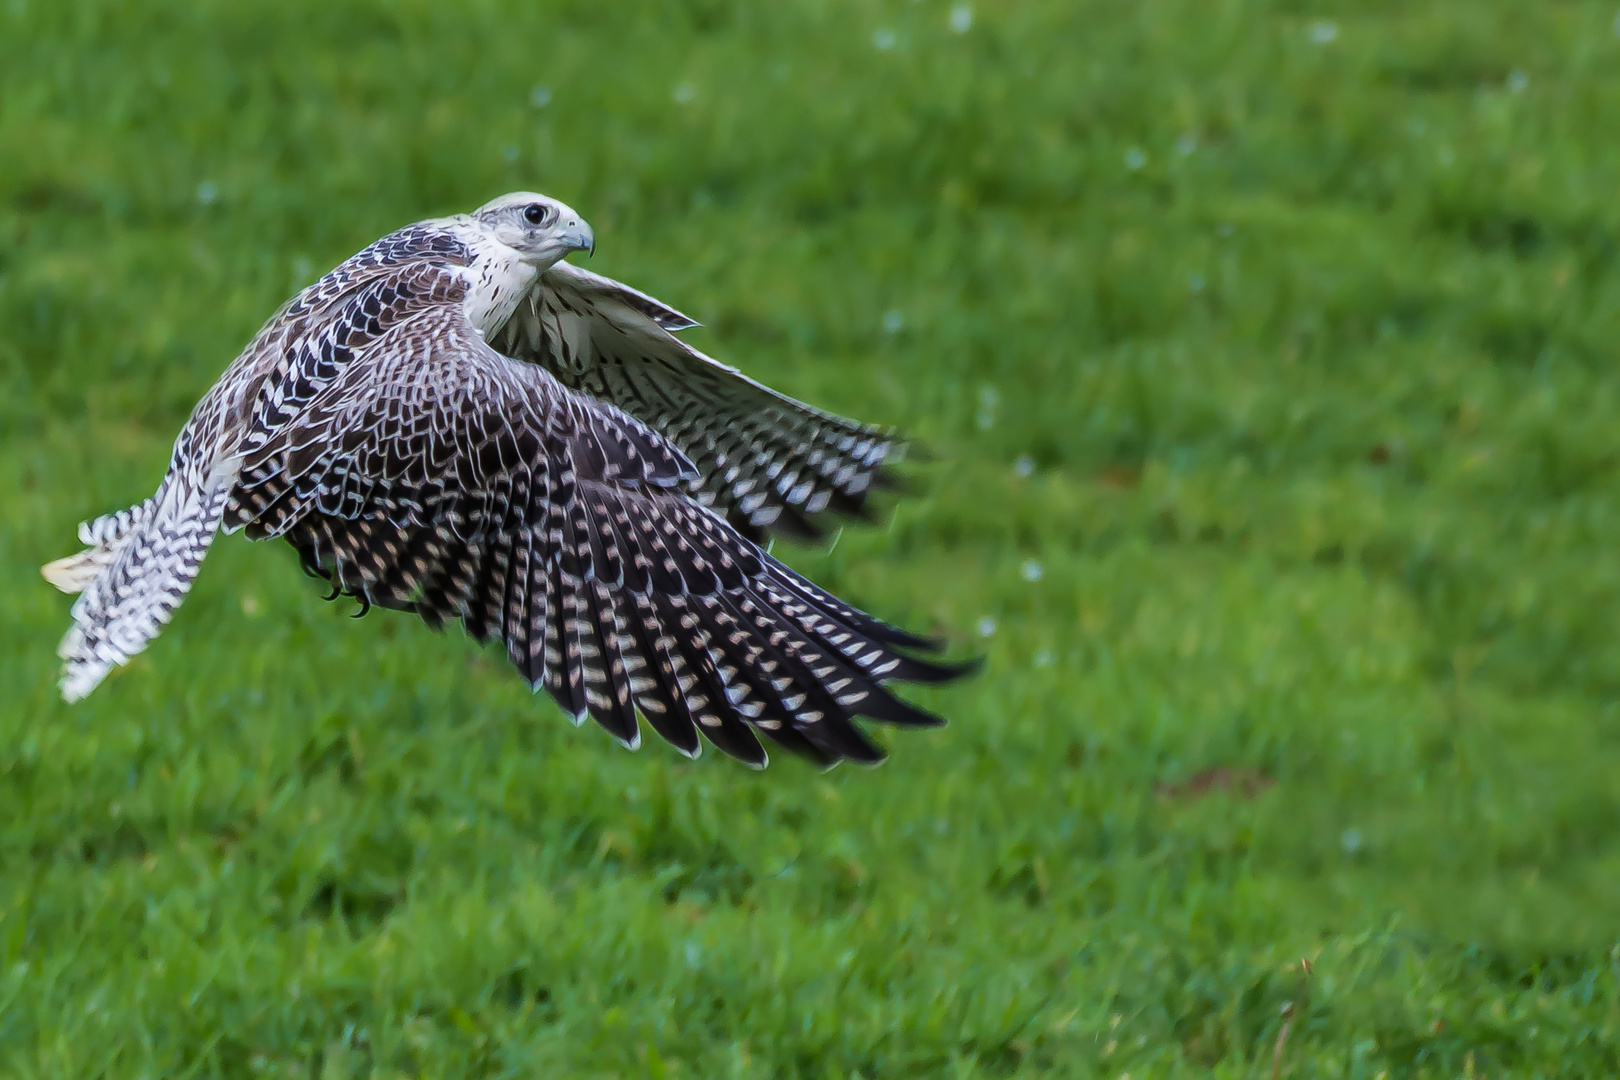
[456, 423]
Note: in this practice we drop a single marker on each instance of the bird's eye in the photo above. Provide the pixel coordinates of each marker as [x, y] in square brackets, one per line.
[534, 213]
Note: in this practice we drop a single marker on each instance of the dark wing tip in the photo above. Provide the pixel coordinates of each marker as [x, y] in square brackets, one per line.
[884, 707]
[736, 739]
[849, 744]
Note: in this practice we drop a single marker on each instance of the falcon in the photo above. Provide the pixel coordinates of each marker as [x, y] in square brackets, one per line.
[458, 423]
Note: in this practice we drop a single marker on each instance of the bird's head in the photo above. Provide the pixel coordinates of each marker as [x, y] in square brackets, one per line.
[539, 228]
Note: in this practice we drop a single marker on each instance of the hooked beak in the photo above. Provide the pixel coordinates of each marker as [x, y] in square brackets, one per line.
[578, 236]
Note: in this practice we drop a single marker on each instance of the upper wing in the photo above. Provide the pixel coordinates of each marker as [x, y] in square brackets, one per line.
[432, 474]
[768, 463]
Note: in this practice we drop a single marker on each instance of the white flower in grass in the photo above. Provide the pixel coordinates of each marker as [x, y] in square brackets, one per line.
[961, 18]
[1031, 571]
[1323, 32]
[988, 400]
[540, 96]
[987, 626]
[883, 39]
[1024, 465]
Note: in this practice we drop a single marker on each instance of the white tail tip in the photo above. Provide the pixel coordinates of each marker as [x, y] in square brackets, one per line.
[73, 573]
[80, 679]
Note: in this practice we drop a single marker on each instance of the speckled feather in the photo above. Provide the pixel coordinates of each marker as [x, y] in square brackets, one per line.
[768, 463]
[589, 500]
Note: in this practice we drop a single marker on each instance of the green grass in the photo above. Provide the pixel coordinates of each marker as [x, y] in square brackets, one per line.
[1301, 320]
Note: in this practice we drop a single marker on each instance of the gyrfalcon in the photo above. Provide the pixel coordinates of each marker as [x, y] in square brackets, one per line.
[456, 422]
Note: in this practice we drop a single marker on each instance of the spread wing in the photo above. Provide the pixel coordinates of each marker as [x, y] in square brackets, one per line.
[767, 463]
[426, 472]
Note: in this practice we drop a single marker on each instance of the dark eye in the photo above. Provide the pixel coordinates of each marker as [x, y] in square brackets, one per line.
[534, 213]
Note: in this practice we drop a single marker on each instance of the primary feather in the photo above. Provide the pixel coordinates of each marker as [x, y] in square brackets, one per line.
[456, 423]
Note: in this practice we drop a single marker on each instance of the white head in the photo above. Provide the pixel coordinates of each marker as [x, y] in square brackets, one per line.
[540, 229]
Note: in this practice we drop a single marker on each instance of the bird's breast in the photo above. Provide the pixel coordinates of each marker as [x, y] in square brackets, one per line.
[495, 288]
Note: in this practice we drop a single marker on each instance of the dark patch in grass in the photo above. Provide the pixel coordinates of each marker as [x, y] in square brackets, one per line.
[425, 803]
[123, 842]
[520, 989]
[363, 904]
[1513, 337]
[1120, 477]
[231, 1056]
[1446, 73]
[1407, 314]
[995, 1059]
[228, 836]
[1492, 228]
[42, 196]
[1329, 554]
[1164, 527]
[361, 882]
[1565, 467]
[847, 885]
[330, 751]
[1544, 972]
[1022, 876]
[1239, 781]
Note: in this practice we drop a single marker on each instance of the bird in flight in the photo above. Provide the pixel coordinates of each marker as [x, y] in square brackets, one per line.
[457, 422]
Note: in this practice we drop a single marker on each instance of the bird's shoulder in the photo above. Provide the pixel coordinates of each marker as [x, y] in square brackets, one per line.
[423, 261]
[352, 311]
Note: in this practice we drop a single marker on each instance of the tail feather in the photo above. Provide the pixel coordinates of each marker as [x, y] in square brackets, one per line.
[111, 529]
[144, 568]
[74, 572]
[105, 535]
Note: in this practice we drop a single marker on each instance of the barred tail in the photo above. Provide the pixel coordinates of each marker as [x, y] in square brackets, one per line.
[143, 561]
[105, 535]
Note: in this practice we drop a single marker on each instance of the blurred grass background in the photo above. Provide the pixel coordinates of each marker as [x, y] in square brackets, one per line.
[1267, 351]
